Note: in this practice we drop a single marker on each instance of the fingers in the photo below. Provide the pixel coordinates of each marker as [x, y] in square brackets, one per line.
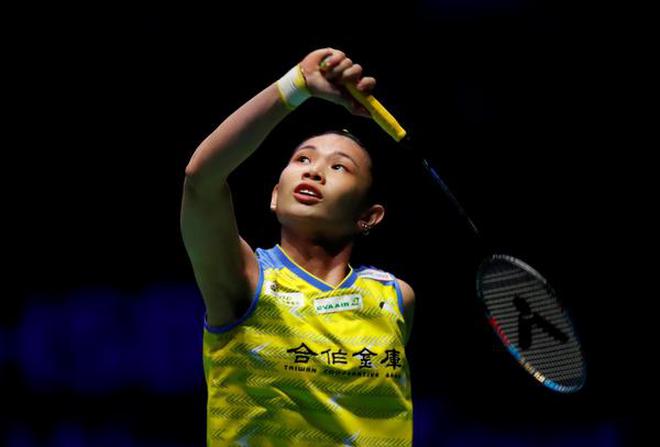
[321, 60]
[334, 71]
[337, 69]
[351, 75]
[366, 84]
[330, 58]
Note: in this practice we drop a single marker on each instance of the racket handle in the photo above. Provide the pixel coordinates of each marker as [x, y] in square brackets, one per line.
[379, 113]
[392, 127]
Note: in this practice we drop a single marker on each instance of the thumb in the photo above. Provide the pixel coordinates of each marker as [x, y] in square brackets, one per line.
[353, 105]
[358, 110]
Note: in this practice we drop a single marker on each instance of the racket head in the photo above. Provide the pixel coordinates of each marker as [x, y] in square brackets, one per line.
[526, 315]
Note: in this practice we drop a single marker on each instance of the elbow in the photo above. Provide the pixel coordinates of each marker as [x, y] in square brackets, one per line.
[191, 178]
[195, 180]
[194, 175]
[191, 170]
[197, 172]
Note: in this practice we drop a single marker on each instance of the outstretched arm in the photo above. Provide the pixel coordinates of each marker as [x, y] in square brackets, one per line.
[225, 266]
[238, 136]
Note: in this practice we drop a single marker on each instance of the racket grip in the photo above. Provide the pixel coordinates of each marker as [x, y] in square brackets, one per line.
[379, 113]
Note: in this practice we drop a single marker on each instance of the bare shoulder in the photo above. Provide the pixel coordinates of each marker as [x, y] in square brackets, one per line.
[408, 293]
[408, 306]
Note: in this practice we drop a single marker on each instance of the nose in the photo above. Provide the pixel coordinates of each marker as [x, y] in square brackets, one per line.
[313, 173]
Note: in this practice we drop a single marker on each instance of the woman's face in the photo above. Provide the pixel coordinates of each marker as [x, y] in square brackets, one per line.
[340, 170]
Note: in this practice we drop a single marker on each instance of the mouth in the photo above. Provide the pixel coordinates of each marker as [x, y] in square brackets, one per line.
[303, 198]
[307, 193]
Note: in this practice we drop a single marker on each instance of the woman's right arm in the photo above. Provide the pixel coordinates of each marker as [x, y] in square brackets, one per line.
[225, 266]
[235, 139]
[239, 135]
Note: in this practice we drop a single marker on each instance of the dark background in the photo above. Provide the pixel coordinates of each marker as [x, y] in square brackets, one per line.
[532, 111]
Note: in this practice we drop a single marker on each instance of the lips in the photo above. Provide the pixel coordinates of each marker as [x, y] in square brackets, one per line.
[309, 187]
[308, 200]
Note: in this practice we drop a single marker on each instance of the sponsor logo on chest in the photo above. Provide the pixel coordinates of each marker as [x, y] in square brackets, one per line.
[340, 303]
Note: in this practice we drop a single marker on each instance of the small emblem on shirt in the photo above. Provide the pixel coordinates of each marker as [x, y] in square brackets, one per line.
[295, 300]
[338, 303]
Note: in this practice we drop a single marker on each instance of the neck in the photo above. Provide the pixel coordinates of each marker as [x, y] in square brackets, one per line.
[327, 260]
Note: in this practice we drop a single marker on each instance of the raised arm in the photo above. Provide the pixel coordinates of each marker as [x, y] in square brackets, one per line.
[225, 266]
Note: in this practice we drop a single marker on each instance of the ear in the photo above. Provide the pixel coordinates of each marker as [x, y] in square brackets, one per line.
[273, 198]
[371, 217]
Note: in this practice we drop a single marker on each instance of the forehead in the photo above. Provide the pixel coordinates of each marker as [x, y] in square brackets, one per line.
[331, 143]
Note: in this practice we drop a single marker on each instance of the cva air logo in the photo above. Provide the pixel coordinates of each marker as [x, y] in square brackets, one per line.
[338, 303]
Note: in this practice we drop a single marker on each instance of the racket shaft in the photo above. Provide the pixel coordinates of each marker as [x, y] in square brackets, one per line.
[390, 125]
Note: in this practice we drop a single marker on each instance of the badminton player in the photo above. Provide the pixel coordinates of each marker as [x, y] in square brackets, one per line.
[300, 347]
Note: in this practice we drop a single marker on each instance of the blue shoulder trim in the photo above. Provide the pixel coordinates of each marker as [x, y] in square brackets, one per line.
[253, 305]
[267, 258]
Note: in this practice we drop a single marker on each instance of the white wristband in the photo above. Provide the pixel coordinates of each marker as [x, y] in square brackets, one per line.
[293, 88]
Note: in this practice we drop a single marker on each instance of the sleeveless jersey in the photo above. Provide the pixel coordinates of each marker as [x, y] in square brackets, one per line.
[311, 364]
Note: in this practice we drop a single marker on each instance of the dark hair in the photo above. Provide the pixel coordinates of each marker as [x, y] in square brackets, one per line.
[376, 192]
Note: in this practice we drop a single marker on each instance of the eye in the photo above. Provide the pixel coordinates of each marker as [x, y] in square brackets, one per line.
[342, 167]
[301, 156]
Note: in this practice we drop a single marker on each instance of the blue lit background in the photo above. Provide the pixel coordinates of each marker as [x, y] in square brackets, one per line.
[100, 333]
[99, 366]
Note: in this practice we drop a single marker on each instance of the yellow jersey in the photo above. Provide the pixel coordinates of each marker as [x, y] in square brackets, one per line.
[311, 364]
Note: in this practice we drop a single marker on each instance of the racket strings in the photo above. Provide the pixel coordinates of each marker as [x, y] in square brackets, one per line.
[538, 331]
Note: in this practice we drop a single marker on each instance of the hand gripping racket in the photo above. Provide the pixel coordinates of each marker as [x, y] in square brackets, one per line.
[520, 305]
